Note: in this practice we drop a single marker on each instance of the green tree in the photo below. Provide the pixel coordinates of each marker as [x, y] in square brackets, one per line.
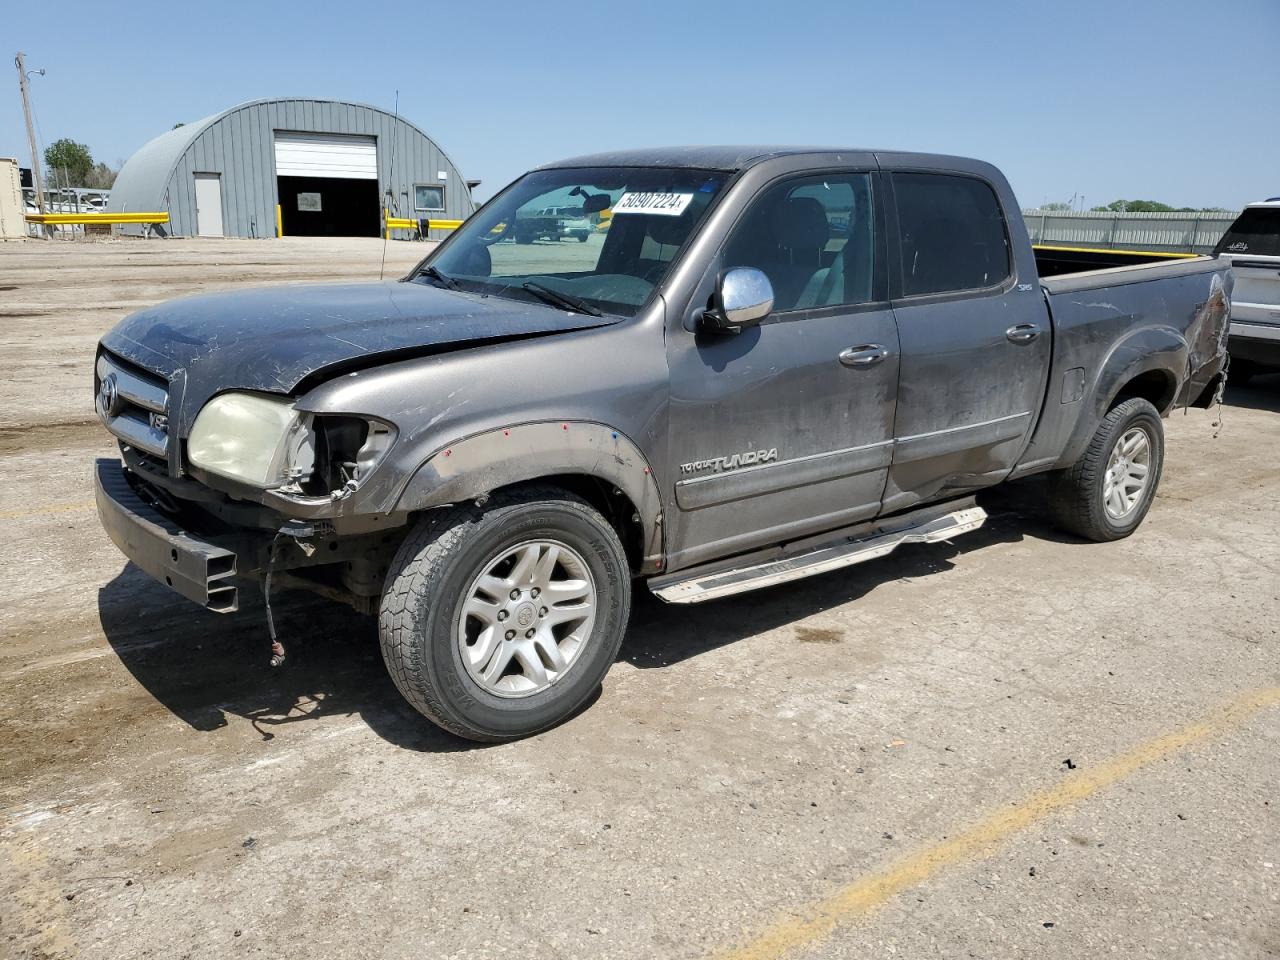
[1152, 206]
[1147, 206]
[72, 161]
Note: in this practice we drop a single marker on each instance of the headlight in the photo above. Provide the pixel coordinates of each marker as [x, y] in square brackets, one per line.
[257, 440]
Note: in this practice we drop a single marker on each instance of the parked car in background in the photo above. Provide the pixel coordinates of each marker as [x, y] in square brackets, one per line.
[776, 362]
[553, 223]
[1252, 245]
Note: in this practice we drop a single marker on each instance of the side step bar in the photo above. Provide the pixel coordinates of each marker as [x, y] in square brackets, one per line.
[809, 558]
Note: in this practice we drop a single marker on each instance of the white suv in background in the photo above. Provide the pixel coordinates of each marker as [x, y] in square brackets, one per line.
[1252, 244]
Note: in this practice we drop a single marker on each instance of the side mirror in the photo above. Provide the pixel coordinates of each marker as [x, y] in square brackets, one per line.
[743, 297]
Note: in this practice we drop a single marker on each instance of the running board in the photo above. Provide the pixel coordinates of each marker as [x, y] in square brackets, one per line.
[694, 586]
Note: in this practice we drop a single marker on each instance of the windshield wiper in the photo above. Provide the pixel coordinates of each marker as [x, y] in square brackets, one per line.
[441, 278]
[558, 299]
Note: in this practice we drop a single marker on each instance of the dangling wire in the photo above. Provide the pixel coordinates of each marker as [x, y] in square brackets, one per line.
[277, 648]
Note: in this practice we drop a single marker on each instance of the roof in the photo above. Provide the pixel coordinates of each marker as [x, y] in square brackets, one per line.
[140, 183]
[145, 175]
[703, 158]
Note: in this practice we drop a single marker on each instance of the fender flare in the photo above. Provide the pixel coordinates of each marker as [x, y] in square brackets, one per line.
[1146, 350]
[474, 466]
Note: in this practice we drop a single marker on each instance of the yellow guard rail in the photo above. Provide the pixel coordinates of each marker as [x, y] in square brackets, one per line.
[53, 219]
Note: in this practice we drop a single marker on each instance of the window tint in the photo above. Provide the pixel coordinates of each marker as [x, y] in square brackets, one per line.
[952, 233]
[1256, 231]
[814, 239]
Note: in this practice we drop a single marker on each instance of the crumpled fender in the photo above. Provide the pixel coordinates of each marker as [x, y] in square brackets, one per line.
[474, 466]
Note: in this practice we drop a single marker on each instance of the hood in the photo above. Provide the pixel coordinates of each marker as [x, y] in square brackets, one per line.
[273, 338]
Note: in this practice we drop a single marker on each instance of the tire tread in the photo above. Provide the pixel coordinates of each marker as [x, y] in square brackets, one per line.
[1075, 496]
[422, 561]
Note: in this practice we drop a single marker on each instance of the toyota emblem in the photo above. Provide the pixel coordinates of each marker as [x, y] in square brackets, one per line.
[109, 396]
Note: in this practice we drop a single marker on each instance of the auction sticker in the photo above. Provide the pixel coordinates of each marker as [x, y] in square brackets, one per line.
[666, 204]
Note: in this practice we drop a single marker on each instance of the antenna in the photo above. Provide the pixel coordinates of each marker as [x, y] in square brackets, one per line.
[391, 172]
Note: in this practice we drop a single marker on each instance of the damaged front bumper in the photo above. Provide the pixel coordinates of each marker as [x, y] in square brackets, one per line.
[200, 569]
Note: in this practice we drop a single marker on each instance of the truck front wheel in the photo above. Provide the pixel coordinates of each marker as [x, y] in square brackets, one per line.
[501, 621]
[1106, 493]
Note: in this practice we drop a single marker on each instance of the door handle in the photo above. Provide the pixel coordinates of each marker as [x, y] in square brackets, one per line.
[863, 356]
[1022, 332]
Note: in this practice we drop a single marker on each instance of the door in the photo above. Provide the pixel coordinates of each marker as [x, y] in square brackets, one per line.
[326, 155]
[785, 429]
[975, 342]
[327, 185]
[208, 204]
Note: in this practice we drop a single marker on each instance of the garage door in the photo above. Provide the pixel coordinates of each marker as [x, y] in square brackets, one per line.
[326, 155]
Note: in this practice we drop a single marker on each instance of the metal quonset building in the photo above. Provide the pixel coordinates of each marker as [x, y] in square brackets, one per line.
[330, 167]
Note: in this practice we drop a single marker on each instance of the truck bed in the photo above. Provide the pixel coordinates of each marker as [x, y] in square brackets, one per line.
[1053, 261]
[1103, 316]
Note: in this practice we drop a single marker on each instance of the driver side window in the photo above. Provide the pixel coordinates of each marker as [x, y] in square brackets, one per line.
[813, 237]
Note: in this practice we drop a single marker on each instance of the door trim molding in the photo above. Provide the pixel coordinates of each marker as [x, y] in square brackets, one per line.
[938, 443]
[716, 488]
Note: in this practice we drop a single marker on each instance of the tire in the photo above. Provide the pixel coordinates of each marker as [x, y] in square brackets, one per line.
[438, 569]
[582, 237]
[1078, 494]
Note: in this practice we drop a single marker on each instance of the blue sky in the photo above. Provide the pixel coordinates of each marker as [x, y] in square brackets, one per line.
[1125, 98]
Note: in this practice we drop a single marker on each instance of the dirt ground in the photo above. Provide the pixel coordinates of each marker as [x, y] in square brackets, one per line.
[1016, 745]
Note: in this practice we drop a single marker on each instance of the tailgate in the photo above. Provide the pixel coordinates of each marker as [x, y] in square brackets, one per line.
[1256, 298]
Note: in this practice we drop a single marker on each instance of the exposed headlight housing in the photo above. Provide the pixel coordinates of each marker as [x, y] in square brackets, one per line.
[258, 440]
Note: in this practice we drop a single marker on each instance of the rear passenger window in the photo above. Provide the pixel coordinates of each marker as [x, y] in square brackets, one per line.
[814, 239]
[952, 233]
[1257, 231]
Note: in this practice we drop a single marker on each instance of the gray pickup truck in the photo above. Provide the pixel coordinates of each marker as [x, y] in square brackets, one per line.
[766, 363]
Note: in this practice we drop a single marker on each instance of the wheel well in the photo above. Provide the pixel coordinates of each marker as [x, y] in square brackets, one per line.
[1157, 386]
[614, 505]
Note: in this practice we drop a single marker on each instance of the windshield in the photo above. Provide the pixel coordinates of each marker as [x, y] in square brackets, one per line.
[1257, 231]
[596, 240]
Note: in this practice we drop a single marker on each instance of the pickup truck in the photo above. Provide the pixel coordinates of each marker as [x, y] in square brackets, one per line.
[1252, 246]
[773, 363]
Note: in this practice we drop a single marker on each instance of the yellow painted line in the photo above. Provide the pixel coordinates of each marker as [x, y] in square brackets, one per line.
[1132, 253]
[817, 922]
[45, 511]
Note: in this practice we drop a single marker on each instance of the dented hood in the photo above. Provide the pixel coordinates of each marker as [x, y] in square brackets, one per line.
[273, 338]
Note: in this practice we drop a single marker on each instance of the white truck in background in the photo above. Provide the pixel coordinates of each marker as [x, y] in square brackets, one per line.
[1252, 245]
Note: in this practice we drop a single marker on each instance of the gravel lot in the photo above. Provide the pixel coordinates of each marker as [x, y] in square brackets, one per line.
[1015, 745]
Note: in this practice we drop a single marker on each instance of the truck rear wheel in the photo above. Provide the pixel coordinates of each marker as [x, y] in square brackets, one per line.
[501, 621]
[1107, 492]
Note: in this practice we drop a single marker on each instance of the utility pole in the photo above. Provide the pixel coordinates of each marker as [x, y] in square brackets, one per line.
[36, 180]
